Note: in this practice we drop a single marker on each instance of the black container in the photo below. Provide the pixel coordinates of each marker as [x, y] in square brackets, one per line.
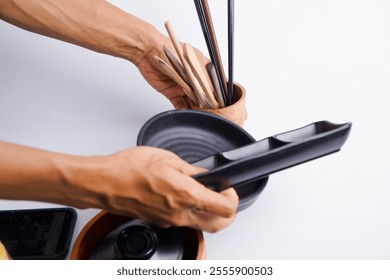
[195, 135]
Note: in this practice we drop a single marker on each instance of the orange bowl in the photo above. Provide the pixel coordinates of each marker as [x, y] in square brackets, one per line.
[103, 223]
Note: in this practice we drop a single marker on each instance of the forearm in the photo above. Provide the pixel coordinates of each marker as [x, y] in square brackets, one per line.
[93, 24]
[143, 182]
[32, 174]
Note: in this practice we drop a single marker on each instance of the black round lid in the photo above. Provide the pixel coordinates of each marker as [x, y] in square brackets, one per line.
[136, 242]
[140, 240]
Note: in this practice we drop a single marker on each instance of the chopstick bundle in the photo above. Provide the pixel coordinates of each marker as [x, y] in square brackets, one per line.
[207, 26]
[205, 86]
[188, 72]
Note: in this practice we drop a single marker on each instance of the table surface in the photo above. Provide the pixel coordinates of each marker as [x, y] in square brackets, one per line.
[300, 62]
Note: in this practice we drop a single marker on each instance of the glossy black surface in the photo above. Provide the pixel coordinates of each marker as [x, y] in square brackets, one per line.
[139, 240]
[37, 234]
[192, 135]
[272, 154]
[195, 135]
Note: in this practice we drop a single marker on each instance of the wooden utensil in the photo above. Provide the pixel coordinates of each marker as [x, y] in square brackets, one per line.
[175, 63]
[217, 89]
[168, 70]
[201, 75]
[190, 76]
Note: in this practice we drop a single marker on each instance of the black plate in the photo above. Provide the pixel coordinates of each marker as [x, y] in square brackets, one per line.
[195, 135]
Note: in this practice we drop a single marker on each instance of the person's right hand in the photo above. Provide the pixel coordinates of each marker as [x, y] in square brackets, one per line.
[151, 70]
[155, 185]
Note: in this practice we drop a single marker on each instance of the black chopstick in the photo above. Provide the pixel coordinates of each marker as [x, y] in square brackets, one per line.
[230, 50]
[211, 42]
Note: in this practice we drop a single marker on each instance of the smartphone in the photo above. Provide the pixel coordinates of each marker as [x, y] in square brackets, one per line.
[37, 234]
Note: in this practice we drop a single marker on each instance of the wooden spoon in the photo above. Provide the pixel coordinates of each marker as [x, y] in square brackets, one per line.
[175, 63]
[190, 76]
[168, 70]
[200, 74]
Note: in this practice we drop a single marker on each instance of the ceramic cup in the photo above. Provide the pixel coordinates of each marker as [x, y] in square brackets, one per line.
[236, 112]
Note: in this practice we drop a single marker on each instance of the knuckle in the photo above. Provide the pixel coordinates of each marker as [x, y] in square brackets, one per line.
[178, 219]
[214, 228]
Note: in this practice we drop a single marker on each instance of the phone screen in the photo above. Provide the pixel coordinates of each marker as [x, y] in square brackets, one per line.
[37, 233]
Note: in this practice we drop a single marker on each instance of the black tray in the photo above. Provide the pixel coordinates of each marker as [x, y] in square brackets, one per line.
[231, 155]
[255, 161]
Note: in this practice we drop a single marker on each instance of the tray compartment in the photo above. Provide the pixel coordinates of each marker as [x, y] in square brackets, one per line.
[304, 133]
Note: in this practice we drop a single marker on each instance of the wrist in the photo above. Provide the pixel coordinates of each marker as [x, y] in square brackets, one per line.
[143, 38]
[78, 179]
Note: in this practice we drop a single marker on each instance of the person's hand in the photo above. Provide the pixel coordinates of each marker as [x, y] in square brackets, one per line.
[155, 185]
[152, 73]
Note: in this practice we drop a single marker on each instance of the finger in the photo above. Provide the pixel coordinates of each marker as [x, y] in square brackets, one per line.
[179, 102]
[209, 222]
[176, 96]
[222, 204]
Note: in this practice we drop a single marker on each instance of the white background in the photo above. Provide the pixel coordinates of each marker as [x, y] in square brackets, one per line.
[300, 61]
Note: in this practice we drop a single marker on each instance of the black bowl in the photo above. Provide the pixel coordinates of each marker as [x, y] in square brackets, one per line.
[194, 135]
